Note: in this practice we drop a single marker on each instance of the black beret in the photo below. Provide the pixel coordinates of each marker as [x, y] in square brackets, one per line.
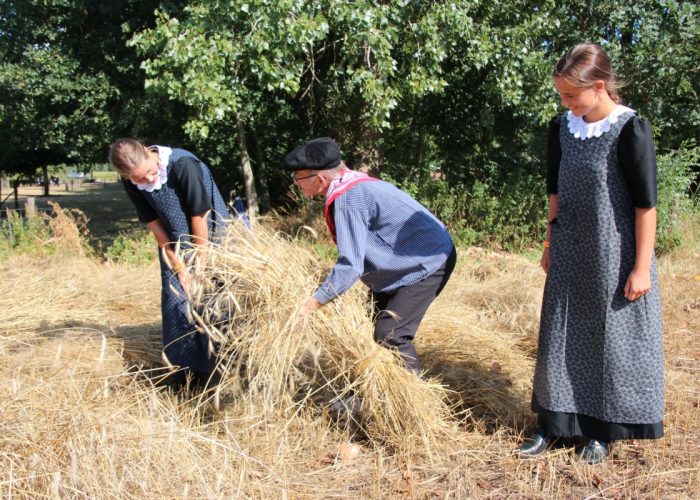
[319, 154]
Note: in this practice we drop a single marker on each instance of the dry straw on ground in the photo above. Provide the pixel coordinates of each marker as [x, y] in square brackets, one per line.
[80, 416]
[68, 228]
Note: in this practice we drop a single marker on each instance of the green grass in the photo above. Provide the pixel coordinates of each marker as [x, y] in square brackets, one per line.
[136, 247]
[19, 234]
[105, 175]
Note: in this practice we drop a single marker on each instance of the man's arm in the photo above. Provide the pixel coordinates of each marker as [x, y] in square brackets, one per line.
[351, 227]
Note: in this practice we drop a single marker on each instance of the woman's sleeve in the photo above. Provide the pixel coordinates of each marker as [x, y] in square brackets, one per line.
[637, 158]
[188, 180]
[553, 155]
[143, 208]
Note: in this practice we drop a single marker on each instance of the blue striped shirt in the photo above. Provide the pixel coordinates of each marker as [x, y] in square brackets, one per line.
[385, 238]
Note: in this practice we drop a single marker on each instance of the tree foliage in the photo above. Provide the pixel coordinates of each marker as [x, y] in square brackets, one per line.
[449, 99]
[68, 82]
[50, 108]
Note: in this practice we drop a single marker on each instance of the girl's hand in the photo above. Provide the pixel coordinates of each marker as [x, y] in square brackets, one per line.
[638, 284]
[200, 262]
[185, 279]
[544, 261]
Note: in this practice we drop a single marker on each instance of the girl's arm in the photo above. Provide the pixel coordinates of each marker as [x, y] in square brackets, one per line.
[551, 215]
[158, 230]
[178, 267]
[188, 180]
[639, 280]
[200, 237]
[200, 230]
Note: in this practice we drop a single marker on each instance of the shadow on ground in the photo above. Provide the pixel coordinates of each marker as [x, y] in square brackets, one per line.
[140, 344]
[484, 395]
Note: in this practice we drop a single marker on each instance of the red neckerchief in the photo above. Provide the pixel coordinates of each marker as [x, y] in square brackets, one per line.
[348, 178]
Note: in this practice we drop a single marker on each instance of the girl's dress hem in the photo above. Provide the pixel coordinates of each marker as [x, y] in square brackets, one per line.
[561, 424]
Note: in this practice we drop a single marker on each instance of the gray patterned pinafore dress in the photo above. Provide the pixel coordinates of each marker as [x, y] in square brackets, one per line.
[599, 354]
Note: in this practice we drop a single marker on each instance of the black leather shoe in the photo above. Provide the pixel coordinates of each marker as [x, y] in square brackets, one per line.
[594, 451]
[347, 406]
[534, 445]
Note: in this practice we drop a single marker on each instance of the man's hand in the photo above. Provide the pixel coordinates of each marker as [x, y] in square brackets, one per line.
[308, 308]
[638, 284]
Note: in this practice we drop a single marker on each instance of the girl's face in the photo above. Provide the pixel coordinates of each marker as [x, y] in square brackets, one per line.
[146, 172]
[579, 100]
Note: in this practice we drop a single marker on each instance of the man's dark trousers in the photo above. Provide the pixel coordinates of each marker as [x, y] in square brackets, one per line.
[399, 313]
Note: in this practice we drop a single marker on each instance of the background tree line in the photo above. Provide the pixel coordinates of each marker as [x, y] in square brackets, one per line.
[450, 100]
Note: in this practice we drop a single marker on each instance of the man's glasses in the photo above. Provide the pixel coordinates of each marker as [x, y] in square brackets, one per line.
[297, 179]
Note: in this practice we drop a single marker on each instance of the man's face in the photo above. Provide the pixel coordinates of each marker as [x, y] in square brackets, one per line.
[310, 182]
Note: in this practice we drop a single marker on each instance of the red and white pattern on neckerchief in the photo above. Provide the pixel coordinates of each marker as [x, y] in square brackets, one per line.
[347, 179]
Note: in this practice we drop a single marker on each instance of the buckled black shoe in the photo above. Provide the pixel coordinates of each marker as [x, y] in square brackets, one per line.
[534, 445]
[594, 451]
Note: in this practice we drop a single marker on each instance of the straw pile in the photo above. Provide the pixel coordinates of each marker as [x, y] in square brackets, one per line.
[480, 336]
[248, 299]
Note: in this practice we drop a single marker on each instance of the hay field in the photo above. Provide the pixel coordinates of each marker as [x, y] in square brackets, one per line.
[81, 417]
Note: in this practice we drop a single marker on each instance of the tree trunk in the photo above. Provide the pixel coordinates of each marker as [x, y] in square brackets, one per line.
[45, 172]
[420, 148]
[248, 178]
[262, 178]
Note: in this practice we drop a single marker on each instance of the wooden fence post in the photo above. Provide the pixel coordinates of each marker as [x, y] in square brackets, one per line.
[29, 206]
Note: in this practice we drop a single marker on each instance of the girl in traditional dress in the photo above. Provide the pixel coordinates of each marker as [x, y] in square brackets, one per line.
[599, 370]
[176, 197]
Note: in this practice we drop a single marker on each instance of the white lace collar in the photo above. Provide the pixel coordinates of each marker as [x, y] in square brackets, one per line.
[163, 159]
[584, 130]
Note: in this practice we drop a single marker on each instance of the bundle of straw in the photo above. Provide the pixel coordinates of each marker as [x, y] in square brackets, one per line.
[248, 297]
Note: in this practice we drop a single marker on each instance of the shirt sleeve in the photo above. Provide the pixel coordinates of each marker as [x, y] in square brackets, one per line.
[351, 228]
[188, 180]
[553, 154]
[144, 210]
[637, 158]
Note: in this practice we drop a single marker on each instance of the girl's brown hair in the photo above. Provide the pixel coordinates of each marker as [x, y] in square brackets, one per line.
[125, 155]
[584, 64]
